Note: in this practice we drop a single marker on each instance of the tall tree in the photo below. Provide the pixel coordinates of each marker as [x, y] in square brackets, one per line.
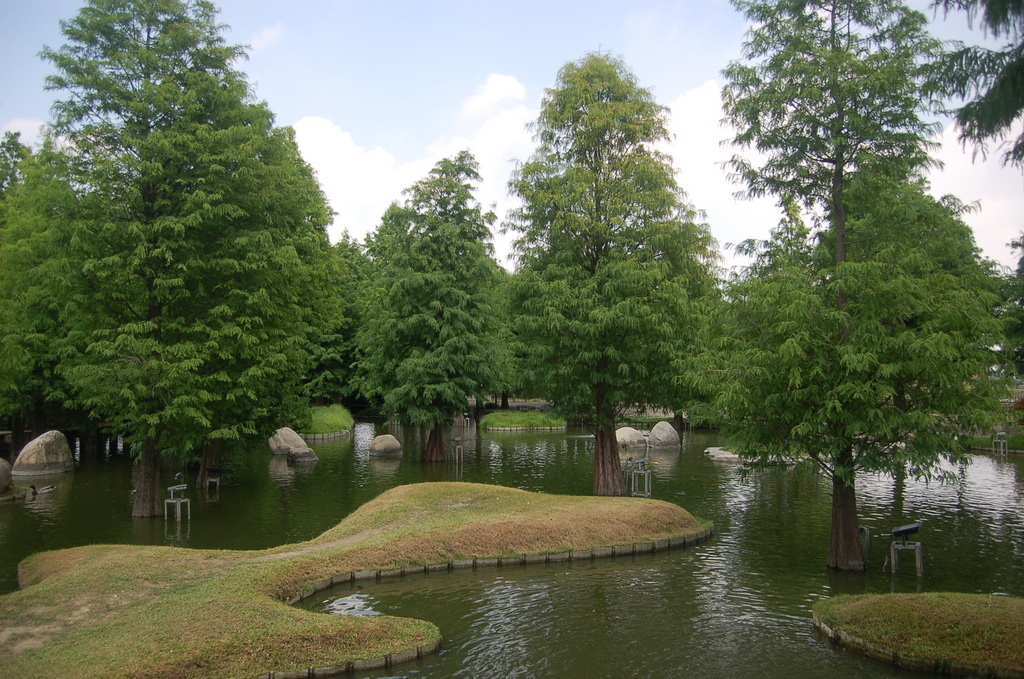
[614, 266]
[429, 336]
[193, 234]
[829, 90]
[990, 78]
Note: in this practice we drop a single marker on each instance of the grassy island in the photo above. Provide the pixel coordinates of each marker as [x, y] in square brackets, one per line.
[941, 632]
[129, 611]
[511, 419]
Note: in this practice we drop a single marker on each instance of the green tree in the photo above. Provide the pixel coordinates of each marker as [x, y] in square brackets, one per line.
[614, 267]
[194, 234]
[32, 393]
[991, 78]
[428, 341]
[331, 375]
[1013, 311]
[828, 90]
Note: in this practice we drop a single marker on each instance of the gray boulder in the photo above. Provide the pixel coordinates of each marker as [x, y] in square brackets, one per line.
[5, 475]
[286, 442]
[719, 454]
[628, 437]
[385, 443]
[48, 453]
[663, 435]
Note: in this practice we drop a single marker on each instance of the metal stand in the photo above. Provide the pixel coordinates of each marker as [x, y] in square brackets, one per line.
[639, 475]
[177, 502]
[894, 555]
[999, 444]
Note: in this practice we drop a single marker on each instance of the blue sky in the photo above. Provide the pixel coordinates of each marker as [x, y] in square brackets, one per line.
[378, 91]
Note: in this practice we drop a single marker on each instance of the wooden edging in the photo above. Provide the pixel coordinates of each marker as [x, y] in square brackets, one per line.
[475, 562]
[953, 668]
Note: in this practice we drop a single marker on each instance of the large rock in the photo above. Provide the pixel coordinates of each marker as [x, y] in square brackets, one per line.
[663, 435]
[5, 475]
[628, 437]
[48, 453]
[385, 443]
[286, 442]
[719, 454]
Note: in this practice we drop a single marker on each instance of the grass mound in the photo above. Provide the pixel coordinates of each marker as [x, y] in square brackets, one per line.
[119, 610]
[511, 418]
[329, 419]
[941, 632]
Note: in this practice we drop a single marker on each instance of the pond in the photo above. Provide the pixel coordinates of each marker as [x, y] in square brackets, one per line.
[737, 605]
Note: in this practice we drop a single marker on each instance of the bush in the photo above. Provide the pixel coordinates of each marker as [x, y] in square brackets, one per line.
[329, 419]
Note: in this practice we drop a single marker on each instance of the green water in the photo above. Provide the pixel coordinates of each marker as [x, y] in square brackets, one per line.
[736, 606]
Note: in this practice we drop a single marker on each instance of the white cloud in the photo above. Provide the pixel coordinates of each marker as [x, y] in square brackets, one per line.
[266, 37]
[699, 156]
[498, 92]
[29, 129]
[998, 189]
[360, 183]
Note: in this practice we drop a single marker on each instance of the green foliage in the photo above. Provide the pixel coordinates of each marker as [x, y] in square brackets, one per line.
[196, 235]
[829, 88]
[614, 265]
[895, 376]
[990, 78]
[333, 353]
[428, 338]
[31, 272]
[1013, 311]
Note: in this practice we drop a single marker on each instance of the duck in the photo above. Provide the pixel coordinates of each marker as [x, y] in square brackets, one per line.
[44, 489]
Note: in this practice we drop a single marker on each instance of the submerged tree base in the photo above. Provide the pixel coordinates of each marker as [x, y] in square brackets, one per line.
[119, 610]
[961, 635]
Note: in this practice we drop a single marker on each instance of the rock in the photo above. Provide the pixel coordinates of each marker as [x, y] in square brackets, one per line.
[48, 453]
[5, 475]
[628, 437]
[663, 435]
[722, 455]
[283, 440]
[302, 454]
[385, 443]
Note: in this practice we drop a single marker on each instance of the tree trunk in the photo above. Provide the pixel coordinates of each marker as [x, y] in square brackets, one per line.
[435, 450]
[504, 400]
[607, 468]
[845, 552]
[211, 452]
[147, 482]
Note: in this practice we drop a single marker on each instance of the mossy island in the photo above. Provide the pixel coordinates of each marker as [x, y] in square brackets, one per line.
[961, 635]
[117, 610]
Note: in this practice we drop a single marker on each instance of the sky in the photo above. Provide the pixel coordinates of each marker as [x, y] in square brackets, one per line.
[379, 90]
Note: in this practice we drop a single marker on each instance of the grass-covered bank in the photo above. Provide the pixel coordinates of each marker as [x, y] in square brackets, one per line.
[329, 419]
[512, 419]
[941, 632]
[116, 610]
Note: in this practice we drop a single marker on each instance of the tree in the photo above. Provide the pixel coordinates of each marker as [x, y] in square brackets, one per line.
[614, 267]
[194, 234]
[429, 336]
[992, 77]
[830, 90]
[331, 376]
[32, 393]
[1013, 312]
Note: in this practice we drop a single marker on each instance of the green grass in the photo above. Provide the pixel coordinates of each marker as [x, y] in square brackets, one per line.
[515, 418]
[1014, 442]
[133, 611]
[329, 419]
[934, 630]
